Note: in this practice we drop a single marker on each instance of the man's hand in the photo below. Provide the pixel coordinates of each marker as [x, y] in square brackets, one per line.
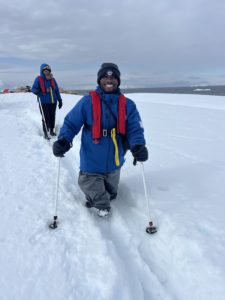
[60, 147]
[140, 153]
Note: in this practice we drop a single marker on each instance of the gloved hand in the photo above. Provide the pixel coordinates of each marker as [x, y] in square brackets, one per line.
[140, 153]
[37, 92]
[60, 104]
[60, 147]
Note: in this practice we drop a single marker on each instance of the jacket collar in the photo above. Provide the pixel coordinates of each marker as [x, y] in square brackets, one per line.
[100, 91]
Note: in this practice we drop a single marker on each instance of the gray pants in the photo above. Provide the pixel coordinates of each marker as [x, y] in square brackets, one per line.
[99, 189]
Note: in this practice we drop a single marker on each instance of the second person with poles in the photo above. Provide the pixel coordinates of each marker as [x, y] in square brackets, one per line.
[48, 94]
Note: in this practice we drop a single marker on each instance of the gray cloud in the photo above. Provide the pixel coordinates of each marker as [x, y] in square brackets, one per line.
[154, 42]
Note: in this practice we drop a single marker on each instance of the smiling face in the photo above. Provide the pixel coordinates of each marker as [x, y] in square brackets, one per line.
[109, 83]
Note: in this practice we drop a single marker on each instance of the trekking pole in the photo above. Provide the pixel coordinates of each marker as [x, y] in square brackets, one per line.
[54, 224]
[43, 117]
[151, 228]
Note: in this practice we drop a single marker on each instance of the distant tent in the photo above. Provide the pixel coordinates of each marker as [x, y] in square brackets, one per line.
[5, 91]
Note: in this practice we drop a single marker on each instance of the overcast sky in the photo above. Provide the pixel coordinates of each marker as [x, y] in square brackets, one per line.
[154, 42]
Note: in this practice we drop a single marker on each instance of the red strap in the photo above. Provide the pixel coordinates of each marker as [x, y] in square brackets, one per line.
[96, 110]
[42, 84]
[53, 85]
[121, 121]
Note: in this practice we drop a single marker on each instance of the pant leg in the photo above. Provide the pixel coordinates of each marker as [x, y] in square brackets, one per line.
[93, 186]
[112, 182]
[52, 111]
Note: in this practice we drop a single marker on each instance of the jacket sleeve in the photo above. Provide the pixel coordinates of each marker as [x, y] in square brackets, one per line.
[135, 130]
[57, 92]
[36, 87]
[73, 121]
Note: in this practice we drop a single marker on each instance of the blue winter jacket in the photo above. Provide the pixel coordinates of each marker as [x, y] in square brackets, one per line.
[100, 158]
[46, 97]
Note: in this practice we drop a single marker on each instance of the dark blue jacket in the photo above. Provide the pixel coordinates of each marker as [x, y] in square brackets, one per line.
[46, 97]
[99, 158]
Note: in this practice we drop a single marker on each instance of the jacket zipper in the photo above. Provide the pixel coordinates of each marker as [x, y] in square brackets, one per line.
[108, 137]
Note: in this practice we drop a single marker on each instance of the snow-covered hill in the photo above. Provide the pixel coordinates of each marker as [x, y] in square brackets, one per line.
[92, 258]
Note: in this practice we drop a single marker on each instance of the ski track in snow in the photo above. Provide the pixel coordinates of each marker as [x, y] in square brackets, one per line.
[88, 257]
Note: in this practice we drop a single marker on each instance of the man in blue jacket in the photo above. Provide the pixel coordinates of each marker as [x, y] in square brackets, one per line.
[46, 88]
[107, 119]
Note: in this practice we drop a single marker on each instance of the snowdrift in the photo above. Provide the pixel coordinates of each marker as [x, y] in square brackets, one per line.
[110, 259]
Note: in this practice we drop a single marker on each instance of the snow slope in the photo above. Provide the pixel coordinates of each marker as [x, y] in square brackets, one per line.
[109, 259]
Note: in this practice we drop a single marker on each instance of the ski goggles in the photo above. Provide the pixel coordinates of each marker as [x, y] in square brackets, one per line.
[47, 69]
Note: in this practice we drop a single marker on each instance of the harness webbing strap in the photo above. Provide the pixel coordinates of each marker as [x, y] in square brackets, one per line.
[121, 121]
[96, 110]
[51, 95]
[97, 131]
[42, 84]
[117, 160]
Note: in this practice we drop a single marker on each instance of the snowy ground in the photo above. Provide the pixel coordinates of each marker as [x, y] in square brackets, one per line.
[109, 259]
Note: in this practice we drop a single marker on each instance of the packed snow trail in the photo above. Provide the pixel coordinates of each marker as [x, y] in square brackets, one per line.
[88, 257]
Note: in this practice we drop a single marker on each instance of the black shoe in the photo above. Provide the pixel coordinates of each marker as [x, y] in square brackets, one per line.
[88, 204]
[46, 136]
[113, 196]
[52, 132]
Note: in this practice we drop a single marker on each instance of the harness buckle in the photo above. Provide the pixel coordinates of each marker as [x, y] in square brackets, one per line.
[104, 132]
[111, 132]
